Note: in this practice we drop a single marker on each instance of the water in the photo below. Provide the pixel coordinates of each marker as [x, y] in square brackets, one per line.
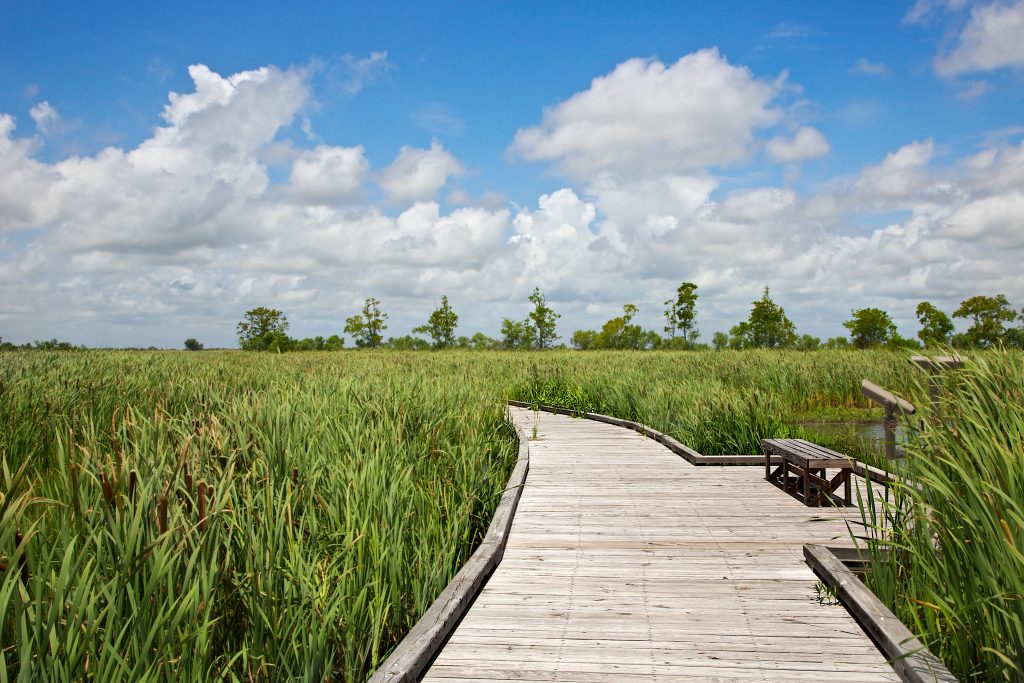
[871, 433]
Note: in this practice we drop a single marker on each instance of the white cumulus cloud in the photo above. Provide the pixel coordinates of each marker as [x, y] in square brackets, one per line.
[328, 175]
[418, 174]
[993, 38]
[646, 117]
[807, 143]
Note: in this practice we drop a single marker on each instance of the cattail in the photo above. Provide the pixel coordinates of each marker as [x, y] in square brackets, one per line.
[133, 480]
[161, 518]
[295, 476]
[202, 505]
[108, 490]
[188, 488]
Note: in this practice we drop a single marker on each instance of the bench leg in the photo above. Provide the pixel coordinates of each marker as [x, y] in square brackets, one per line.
[805, 480]
[846, 487]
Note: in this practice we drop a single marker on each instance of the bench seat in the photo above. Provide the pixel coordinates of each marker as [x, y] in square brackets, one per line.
[808, 462]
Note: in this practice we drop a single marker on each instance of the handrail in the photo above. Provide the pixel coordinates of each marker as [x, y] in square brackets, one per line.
[890, 402]
[879, 395]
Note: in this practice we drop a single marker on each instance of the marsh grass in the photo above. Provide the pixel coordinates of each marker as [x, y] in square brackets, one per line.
[230, 516]
[947, 551]
[238, 517]
[720, 402]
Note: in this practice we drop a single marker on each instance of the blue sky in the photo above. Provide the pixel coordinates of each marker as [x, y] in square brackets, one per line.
[846, 155]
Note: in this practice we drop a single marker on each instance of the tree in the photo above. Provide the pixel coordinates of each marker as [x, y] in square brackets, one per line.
[408, 343]
[262, 329]
[193, 345]
[870, 327]
[837, 343]
[543, 320]
[720, 340]
[896, 341]
[681, 313]
[766, 328]
[516, 335]
[618, 333]
[441, 325]
[584, 339]
[936, 327]
[368, 327]
[808, 343]
[987, 313]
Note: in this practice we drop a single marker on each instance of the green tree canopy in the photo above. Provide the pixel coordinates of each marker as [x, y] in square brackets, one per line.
[516, 334]
[870, 328]
[367, 327]
[681, 313]
[617, 333]
[543, 319]
[766, 328]
[263, 329]
[936, 327]
[441, 325]
[987, 315]
[407, 343]
[192, 344]
[720, 340]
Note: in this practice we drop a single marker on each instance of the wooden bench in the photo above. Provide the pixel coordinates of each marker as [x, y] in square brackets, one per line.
[808, 462]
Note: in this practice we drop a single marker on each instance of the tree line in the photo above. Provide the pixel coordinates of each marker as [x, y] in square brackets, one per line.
[767, 326]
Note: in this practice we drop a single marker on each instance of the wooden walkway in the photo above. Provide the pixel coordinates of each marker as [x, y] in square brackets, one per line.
[625, 562]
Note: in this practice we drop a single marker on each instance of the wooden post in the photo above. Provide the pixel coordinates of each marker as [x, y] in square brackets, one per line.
[889, 425]
[891, 403]
[935, 367]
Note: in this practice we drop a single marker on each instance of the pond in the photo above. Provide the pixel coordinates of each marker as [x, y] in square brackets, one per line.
[870, 434]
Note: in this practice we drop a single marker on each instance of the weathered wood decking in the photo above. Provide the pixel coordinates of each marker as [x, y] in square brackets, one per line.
[624, 562]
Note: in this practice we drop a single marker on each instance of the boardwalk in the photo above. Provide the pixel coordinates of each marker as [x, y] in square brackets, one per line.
[627, 563]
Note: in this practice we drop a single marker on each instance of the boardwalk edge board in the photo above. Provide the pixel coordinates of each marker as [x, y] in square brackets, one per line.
[413, 655]
[910, 659]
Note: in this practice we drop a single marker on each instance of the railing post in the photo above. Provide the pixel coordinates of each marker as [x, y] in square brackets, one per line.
[891, 403]
[889, 425]
[934, 367]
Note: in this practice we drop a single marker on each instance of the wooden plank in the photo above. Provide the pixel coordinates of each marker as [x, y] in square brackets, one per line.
[911, 659]
[625, 562]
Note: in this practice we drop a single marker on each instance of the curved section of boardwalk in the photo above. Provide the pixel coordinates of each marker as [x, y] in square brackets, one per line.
[627, 563]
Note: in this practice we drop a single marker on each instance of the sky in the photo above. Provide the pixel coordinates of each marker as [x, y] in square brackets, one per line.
[165, 167]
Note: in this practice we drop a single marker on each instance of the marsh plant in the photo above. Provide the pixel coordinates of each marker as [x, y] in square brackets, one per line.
[947, 547]
[239, 517]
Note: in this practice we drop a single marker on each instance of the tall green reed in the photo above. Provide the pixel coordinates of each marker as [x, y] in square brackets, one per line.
[947, 546]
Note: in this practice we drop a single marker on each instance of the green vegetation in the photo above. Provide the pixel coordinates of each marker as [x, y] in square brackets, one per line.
[177, 516]
[441, 325]
[368, 326]
[768, 327]
[936, 327]
[617, 333]
[316, 503]
[870, 327]
[719, 402]
[681, 314]
[948, 552]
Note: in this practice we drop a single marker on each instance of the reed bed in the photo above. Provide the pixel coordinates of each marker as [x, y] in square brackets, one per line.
[721, 402]
[235, 516]
[232, 516]
[948, 551]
